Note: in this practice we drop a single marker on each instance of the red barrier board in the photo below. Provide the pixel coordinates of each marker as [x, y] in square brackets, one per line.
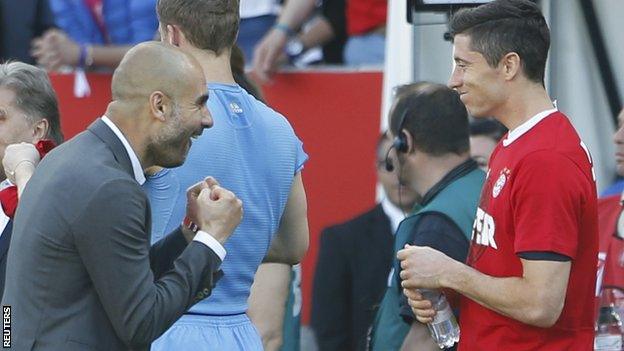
[336, 114]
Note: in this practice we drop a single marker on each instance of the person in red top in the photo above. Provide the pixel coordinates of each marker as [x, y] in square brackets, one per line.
[366, 29]
[529, 282]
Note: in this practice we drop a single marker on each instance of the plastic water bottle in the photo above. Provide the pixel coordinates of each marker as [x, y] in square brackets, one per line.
[608, 330]
[444, 328]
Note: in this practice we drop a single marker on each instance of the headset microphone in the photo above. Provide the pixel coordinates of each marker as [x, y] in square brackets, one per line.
[389, 165]
[399, 143]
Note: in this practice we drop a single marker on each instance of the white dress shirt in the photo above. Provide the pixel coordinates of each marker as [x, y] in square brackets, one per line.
[395, 214]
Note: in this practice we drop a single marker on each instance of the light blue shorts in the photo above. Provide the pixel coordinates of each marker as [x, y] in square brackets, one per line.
[210, 333]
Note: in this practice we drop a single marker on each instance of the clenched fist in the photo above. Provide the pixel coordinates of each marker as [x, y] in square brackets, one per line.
[214, 209]
[19, 157]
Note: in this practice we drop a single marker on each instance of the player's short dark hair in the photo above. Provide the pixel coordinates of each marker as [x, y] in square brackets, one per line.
[207, 24]
[435, 117]
[488, 127]
[503, 26]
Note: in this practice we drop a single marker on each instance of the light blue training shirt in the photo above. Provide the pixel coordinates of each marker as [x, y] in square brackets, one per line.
[253, 152]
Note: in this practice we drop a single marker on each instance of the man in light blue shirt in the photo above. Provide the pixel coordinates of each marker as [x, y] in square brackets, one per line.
[251, 150]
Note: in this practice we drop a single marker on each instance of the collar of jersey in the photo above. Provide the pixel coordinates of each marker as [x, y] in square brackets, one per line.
[526, 126]
[224, 86]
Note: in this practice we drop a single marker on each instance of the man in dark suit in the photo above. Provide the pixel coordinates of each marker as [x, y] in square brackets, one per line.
[354, 262]
[29, 112]
[80, 272]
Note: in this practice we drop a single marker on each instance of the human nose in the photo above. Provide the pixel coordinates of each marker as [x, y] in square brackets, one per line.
[618, 136]
[455, 80]
[207, 121]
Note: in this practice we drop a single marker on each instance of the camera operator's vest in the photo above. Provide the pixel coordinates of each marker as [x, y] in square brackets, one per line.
[458, 201]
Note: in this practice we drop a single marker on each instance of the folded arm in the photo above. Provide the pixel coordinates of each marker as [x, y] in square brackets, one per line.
[111, 238]
[536, 298]
[165, 251]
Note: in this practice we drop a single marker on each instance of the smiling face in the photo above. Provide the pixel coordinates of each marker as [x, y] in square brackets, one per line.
[187, 119]
[481, 87]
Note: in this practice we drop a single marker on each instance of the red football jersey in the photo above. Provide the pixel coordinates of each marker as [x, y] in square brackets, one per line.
[611, 245]
[539, 195]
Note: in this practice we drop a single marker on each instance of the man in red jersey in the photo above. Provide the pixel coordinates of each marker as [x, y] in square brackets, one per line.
[531, 272]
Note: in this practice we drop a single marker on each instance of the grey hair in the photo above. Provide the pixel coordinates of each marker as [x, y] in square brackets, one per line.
[34, 95]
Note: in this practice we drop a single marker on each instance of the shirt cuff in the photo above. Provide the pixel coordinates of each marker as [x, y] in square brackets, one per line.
[211, 242]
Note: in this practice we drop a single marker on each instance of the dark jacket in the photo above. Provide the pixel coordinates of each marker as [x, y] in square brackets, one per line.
[5, 240]
[80, 273]
[351, 276]
[21, 21]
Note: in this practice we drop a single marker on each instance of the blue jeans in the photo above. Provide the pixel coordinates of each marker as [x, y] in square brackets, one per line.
[366, 49]
[251, 32]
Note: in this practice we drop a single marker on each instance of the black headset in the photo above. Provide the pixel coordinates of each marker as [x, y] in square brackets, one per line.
[399, 143]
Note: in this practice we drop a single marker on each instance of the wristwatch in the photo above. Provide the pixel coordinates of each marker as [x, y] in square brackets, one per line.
[294, 48]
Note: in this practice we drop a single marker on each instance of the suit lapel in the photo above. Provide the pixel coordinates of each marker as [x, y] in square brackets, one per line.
[102, 131]
[381, 222]
[5, 239]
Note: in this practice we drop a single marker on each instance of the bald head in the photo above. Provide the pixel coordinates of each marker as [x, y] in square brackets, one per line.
[154, 66]
[159, 103]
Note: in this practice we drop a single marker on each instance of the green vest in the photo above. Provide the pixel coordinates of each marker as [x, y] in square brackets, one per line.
[458, 201]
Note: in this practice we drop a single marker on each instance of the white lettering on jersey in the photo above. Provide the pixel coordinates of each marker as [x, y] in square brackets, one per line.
[591, 162]
[484, 229]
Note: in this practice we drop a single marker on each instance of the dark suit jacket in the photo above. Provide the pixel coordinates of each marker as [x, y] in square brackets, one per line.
[351, 276]
[5, 240]
[80, 273]
[20, 22]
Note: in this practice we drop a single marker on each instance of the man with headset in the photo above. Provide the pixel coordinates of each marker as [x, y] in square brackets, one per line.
[354, 260]
[430, 125]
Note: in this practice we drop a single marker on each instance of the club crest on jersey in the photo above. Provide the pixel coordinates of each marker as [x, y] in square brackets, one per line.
[500, 182]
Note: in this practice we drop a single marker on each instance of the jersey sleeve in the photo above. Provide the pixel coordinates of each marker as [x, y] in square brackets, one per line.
[285, 128]
[302, 156]
[547, 198]
[437, 231]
